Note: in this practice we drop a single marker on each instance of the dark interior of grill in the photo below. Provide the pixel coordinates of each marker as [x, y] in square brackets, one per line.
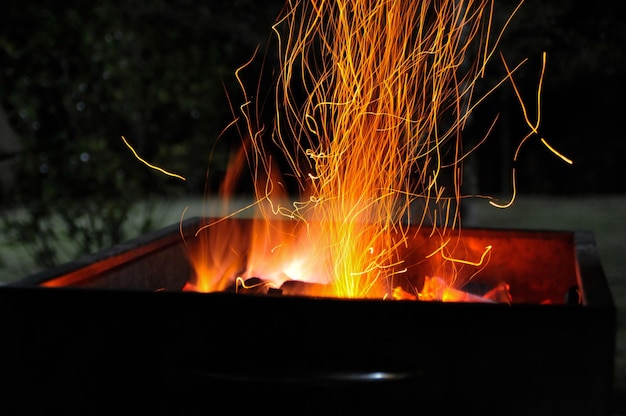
[113, 330]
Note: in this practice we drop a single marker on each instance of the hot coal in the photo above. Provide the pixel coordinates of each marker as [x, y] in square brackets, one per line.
[258, 286]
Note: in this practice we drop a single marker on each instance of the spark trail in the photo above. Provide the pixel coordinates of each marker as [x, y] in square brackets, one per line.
[370, 105]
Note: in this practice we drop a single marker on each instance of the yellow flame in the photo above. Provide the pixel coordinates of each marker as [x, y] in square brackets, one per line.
[387, 90]
[371, 100]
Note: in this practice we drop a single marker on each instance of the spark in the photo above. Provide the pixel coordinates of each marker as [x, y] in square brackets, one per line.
[557, 153]
[174, 175]
[533, 126]
[461, 261]
[370, 104]
[378, 78]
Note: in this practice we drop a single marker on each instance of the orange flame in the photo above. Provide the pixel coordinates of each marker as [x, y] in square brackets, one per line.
[373, 138]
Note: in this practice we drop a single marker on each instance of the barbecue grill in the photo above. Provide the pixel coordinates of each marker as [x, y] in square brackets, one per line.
[114, 330]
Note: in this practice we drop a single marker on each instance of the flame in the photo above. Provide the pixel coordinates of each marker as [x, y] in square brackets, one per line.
[370, 104]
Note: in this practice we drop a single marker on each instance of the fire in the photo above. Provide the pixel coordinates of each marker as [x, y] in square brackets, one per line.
[370, 104]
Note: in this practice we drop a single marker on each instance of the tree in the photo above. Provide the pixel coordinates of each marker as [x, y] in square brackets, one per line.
[76, 76]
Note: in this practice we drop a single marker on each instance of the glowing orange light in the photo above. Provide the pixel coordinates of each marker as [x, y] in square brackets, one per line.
[478, 263]
[385, 90]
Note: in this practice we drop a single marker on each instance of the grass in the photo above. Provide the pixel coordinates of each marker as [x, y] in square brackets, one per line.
[605, 216]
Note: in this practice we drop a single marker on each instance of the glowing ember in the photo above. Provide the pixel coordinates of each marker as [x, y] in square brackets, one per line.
[373, 138]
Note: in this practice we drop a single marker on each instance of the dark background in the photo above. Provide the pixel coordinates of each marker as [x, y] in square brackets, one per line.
[582, 99]
[75, 76]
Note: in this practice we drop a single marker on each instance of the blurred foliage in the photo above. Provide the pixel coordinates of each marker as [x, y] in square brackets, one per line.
[76, 75]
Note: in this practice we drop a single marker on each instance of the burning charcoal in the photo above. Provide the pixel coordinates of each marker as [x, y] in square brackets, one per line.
[274, 291]
[251, 286]
[436, 289]
[190, 287]
[299, 288]
[499, 294]
[456, 295]
[401, 294]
